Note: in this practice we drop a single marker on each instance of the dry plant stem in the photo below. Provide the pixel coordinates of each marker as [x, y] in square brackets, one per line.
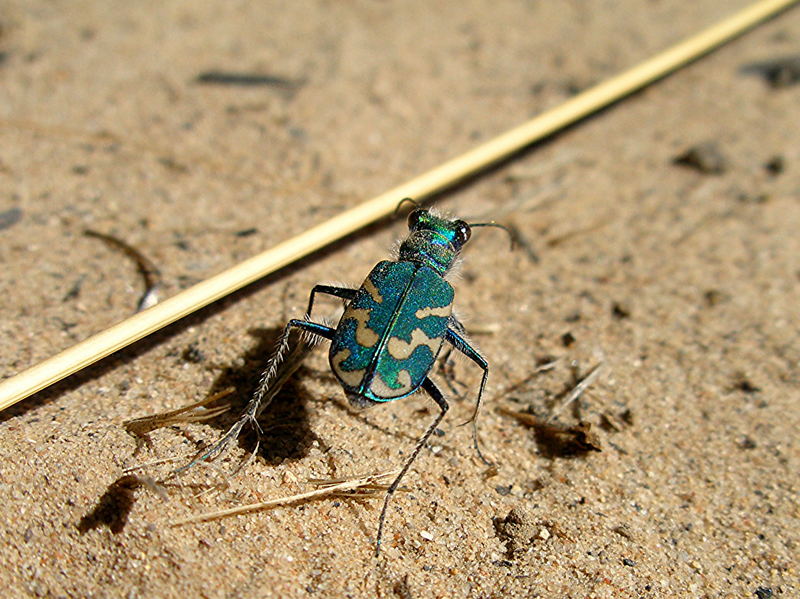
[442, 177]
[148, 270]
[523, 417]
[145, 465]
[141, 426]
[367, 489]
[536, 372]
[577, 391]
[351, 485]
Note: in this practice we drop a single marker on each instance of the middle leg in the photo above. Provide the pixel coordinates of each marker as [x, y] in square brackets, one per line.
[456, 335]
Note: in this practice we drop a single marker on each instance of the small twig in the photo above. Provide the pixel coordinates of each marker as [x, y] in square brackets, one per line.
[148, 270]
[249, 80]
[368, 489]
[577, 391]
[536, 372]
[556, 439]
[348, 485]
[704, 221]
[574, 394]
[144, 465]
[523, 417]
[559, 239]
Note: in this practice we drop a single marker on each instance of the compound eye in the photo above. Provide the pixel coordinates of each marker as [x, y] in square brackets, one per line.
[463, 232]
[414, 218]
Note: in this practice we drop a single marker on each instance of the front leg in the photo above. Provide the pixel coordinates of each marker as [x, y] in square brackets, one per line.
[340, 292]
[456, 335]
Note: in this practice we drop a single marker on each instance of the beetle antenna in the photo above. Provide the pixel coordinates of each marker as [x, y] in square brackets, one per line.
[497, 225]
[403, 201]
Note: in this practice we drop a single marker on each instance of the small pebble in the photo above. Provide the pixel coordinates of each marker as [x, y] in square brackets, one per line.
[503, 489]
[705, 158]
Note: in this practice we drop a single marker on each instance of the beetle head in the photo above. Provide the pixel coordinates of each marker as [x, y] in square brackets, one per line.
[433, 240]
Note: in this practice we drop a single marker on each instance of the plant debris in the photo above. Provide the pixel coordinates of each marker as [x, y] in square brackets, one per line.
[559, 441]
[148, 270]
[360, 486]
[578, 390]
[777, 72]
[230, 78]
[140, 427]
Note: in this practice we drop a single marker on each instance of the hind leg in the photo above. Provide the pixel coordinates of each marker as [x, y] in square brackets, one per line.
[437, 396]
[271, 381]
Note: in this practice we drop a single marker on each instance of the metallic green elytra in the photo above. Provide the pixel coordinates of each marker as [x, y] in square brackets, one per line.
[391, 332]
[388, 338]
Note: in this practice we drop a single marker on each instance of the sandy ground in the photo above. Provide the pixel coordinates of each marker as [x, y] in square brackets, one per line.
[682, 280]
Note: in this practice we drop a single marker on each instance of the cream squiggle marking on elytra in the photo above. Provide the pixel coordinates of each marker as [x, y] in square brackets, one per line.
[431, 311]
[351, 378]
[365, 336]
[373, 291]
[401, 350]
[380, 389]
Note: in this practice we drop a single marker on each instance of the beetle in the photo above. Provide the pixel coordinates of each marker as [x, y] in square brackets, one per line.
[390, 334]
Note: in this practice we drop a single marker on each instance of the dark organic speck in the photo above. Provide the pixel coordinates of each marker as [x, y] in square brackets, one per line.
[705, 158]
[9, 218]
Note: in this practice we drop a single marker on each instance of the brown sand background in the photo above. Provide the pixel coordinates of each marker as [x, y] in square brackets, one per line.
[684, 284]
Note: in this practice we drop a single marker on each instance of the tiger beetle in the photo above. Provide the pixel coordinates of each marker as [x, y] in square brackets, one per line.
[391, 332]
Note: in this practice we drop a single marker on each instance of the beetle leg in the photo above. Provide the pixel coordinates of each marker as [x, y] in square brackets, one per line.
[456, 335]
[448, 373]
[457, 326]
[271, 381]
[437, 396]
[341, 292]
[267, 388]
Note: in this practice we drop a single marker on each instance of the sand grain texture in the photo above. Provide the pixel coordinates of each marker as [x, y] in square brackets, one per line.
[202, 133]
